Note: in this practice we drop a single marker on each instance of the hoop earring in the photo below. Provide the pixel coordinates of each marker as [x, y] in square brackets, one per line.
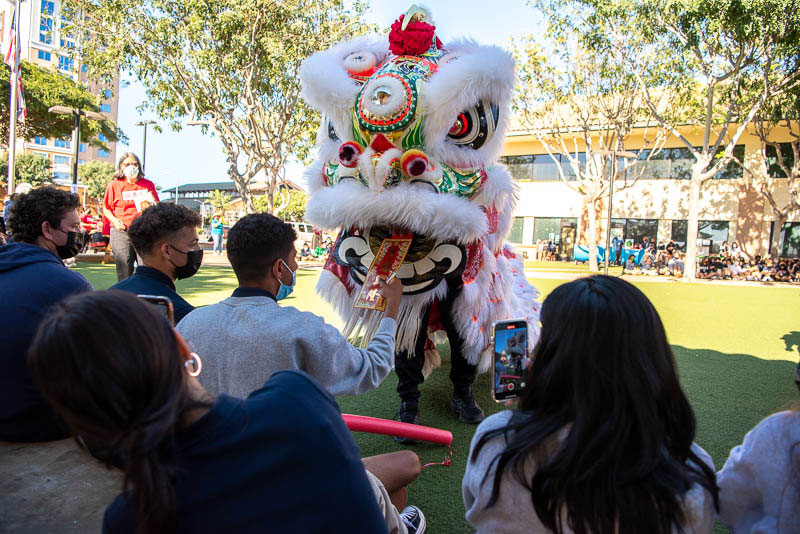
[194, 364]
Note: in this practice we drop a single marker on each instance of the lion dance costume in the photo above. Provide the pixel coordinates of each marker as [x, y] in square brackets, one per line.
[411, 130]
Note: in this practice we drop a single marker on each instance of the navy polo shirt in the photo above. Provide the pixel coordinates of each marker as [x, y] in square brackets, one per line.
[281, 461]
[149, 281]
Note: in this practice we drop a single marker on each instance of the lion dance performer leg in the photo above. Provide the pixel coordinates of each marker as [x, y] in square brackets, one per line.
[411, 131]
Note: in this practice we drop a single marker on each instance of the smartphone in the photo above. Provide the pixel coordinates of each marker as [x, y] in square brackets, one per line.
[510, 341]
[163, 304]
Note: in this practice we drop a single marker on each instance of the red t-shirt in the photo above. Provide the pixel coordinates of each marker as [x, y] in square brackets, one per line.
[126, 201]
[87, 223]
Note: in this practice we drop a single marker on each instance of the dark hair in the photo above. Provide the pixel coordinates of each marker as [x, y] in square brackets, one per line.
[256, 242]
[603, 370]
[118, 173]
[159, 222]
[30, 210]
[120, 388]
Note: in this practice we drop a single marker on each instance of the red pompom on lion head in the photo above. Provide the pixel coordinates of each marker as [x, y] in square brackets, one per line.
[414, 40]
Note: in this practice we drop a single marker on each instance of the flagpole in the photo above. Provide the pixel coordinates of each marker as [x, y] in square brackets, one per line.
[12, 117]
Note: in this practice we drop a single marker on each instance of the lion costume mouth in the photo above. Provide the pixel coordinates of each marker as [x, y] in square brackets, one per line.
[427, 263]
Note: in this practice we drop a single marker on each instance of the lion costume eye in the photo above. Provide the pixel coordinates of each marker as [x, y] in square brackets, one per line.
[474, 126]
[332, 131]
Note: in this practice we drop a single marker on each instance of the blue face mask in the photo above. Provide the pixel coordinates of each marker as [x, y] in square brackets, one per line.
[285, 290]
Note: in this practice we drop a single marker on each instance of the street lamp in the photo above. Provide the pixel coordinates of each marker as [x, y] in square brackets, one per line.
[144, 142]
[614, 154]
[76, 133]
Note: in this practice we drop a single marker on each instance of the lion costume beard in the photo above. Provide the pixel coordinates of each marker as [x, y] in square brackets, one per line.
[408, 144]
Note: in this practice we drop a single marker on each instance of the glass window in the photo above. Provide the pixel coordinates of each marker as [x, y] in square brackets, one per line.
[62, 143]
[658, 167]
[105, 107]
[66, 63]
[710, 235]
[789, 244]
[107, 93]
[520, 167]
[84, 68]
[569, 172]
[546, 229]
[102, 137]
[516, 230]
[82, 147]
[46, 21]
[60, 175]
[544, 168]
[41, 54]
[681, 161]
[732, 169]
[102, 153]
[773, 168]
[81, 161]
[638, 229]
[40, 140]
[61, 160]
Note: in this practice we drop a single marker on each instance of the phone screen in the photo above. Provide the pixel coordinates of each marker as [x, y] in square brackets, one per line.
[510, 351]
[163, 304]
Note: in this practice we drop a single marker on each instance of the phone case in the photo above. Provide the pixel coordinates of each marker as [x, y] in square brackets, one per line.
[491, 344]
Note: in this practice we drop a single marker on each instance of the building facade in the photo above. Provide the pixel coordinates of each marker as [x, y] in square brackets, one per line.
[732, 208]
[43, 39]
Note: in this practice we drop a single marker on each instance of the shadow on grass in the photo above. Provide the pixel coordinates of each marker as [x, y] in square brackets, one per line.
[792, 341]
[730, 393]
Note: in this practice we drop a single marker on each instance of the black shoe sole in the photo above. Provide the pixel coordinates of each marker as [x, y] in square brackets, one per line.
[469, 421]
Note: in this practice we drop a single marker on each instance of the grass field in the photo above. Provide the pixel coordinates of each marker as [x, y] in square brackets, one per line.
[736, 349]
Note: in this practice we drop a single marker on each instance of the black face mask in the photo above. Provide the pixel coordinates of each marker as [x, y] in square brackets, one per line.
[72, 247]
[194, 258]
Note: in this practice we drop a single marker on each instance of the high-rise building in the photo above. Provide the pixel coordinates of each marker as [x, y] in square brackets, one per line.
[43, 39]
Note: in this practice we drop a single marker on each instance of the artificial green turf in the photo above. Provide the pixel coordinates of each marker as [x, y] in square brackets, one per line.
[735, 347]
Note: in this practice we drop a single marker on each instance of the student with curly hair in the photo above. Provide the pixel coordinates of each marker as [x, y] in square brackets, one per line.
[46, 230]
[165, 237]
[603, 440]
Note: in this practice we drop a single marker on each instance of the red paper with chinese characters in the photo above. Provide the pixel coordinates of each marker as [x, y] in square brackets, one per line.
[386, 263]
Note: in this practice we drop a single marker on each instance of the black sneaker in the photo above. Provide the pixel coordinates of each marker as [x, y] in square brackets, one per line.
[407, 413]
[413, 519]
[467, 409]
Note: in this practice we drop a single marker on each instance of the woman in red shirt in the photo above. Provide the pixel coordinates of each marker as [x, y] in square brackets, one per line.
[126, 197]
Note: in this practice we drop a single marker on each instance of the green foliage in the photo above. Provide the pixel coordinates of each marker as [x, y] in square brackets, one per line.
[28, 168]
[96, 175]
[232, 64]
[44, 88]
[292, 208]
[219, 200]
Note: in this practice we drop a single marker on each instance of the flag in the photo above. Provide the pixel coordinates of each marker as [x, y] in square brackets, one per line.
[13, 61]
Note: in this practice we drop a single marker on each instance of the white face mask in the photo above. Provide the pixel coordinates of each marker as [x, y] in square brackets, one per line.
[131, 171]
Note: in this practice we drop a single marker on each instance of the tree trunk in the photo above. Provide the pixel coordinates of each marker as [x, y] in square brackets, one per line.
[690, 261]
[780, 218]
[592, 234]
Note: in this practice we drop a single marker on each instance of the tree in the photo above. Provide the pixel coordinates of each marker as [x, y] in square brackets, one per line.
[783, 162]
[28, 168]
[291, 208]
[726, 59]
[96, 175]
[232, 65]
[219, 200]
[582, 105]
[44, 88]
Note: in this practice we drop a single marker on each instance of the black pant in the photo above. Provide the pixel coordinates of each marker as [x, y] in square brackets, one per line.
[124, 253]
[409, 369]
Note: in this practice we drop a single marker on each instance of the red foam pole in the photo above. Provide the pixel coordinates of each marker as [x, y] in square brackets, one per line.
[373, 425]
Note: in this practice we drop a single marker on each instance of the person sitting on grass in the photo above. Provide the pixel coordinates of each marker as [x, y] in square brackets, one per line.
[280, 461]
[758, 489]
[630, 264]
[165, 237]
[647, 265]
[603, 438]
[675, 264]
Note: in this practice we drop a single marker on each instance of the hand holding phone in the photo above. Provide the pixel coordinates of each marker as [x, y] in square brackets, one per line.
[510, 345]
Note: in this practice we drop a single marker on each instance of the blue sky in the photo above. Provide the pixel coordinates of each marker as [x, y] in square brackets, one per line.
[175, 158]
